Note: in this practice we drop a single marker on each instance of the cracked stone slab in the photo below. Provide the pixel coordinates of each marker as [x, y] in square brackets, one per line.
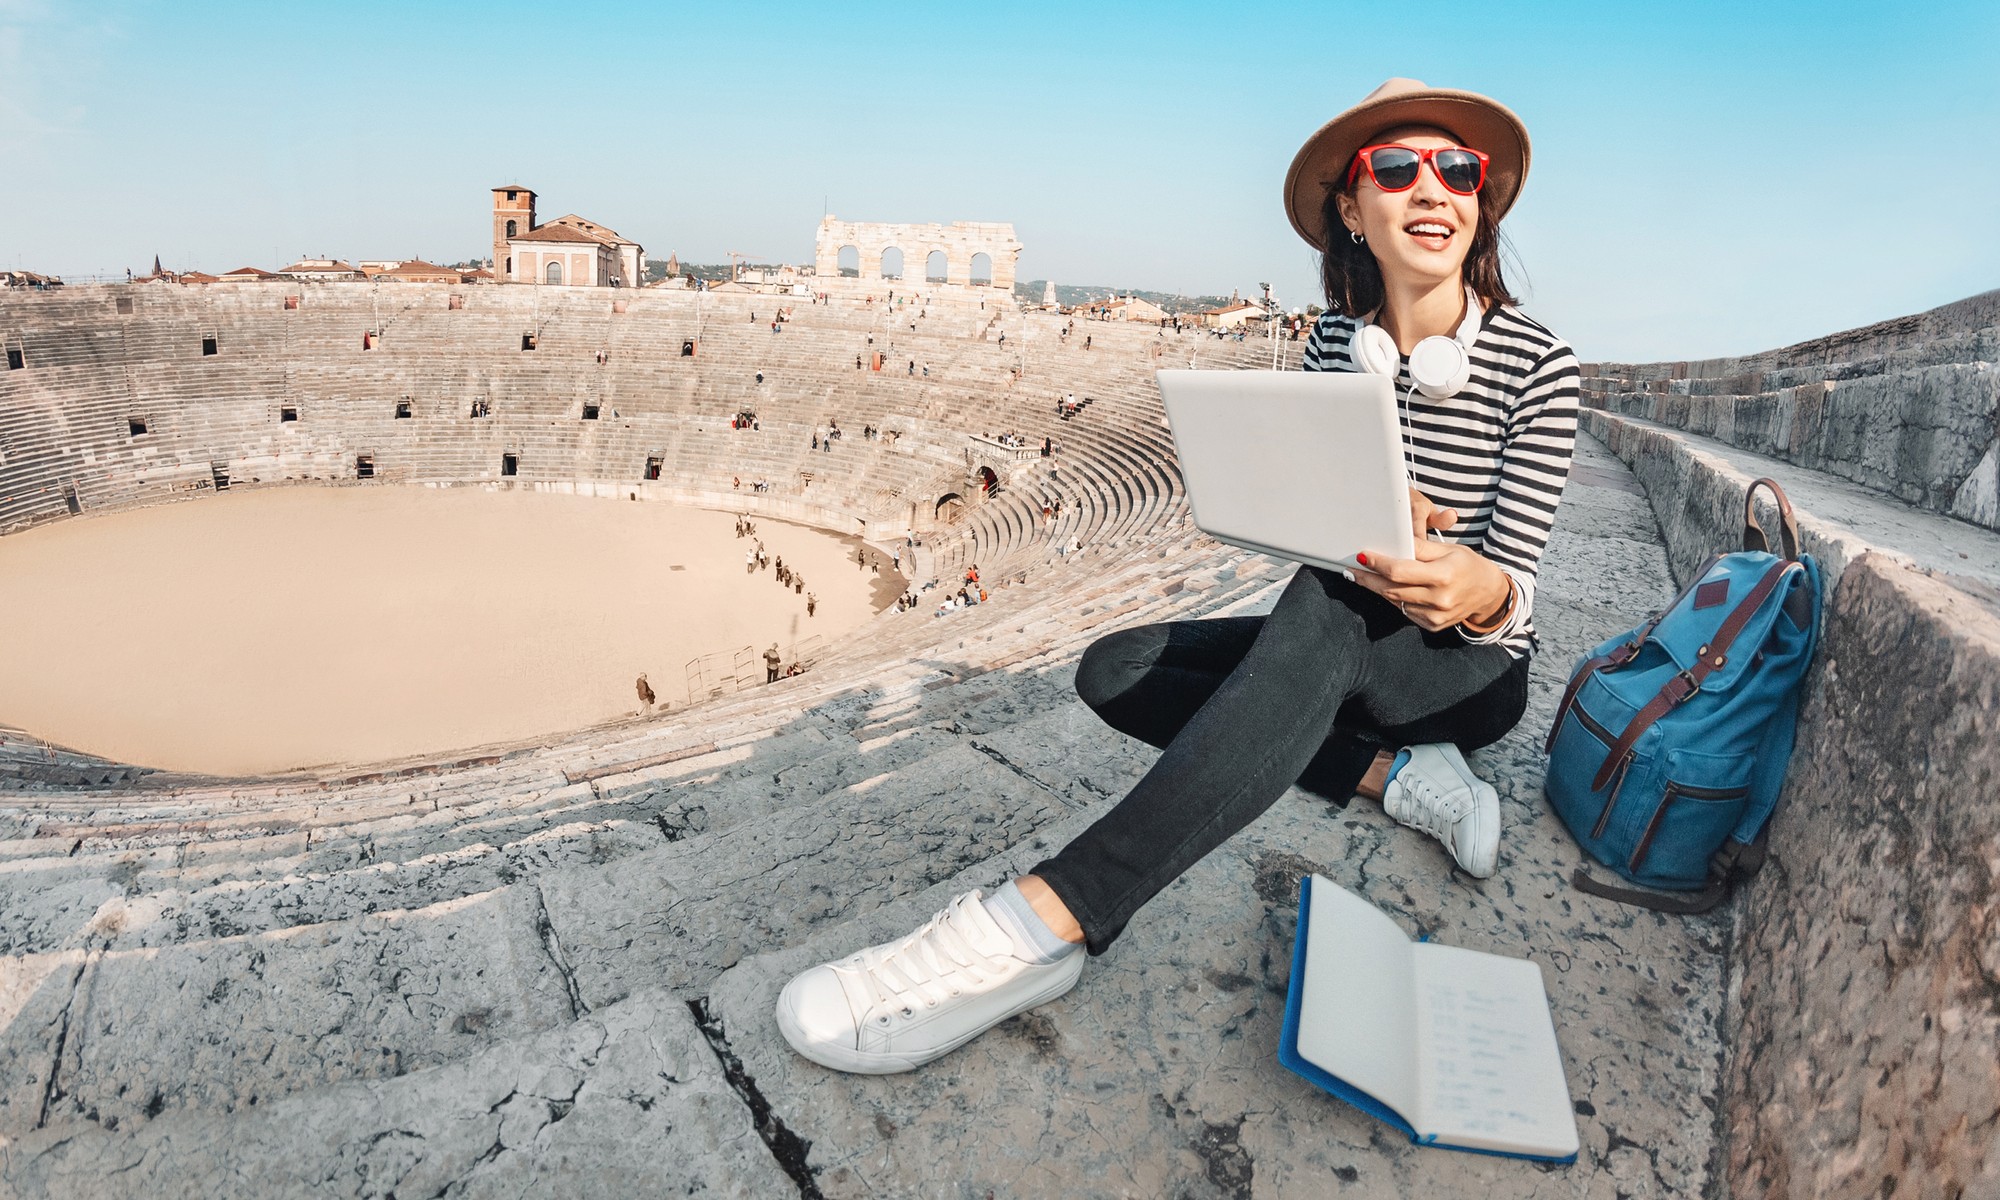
[628, 1101]
[679, 915]
[235, 1022]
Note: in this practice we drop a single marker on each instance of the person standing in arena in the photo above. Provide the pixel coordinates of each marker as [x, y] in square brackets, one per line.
[1356, 682]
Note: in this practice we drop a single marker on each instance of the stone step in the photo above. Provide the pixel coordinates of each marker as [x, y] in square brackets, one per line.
[175, 902]
[230, 1022]
[633, 1091]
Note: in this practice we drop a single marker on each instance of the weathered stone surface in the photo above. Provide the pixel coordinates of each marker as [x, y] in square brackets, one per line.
[679, 915]
[238, 1021]
[1906, 408]
[1869, 959]
[1696, 487]
[628, 1101]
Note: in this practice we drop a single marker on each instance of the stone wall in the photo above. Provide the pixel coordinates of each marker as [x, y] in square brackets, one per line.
[1868, 955]
[1909, 407]
[1865, 962]
[959, 241]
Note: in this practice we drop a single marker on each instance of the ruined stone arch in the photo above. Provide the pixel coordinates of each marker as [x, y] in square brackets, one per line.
[892, 262]
[947, 253]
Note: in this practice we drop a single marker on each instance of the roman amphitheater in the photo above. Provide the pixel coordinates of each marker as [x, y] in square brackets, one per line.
[547, 965]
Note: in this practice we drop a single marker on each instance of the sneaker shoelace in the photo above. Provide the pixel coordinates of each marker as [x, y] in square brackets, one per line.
[1436, 812]
[935, 963]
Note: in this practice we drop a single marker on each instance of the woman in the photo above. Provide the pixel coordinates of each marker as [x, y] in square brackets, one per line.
[1402, 195]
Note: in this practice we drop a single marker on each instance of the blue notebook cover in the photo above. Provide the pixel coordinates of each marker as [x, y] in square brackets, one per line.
[1319, 1077]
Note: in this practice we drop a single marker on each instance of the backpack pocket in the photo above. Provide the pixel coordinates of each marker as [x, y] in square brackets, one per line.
[1701, 801]
[1596, 816]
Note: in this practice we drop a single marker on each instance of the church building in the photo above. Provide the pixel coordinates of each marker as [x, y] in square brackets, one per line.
[567, 251]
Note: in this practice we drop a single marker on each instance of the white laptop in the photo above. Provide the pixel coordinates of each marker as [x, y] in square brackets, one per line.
[1305, 465]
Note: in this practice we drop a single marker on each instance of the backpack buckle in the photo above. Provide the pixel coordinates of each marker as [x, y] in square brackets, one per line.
[1693, 686]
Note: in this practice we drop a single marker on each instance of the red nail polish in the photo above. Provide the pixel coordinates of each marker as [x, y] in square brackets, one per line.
[1362, 559]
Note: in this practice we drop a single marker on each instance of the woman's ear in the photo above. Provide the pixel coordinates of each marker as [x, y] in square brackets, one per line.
[1350, 213]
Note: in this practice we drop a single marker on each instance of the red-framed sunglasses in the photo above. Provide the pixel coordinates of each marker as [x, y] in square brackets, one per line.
[1394, 167]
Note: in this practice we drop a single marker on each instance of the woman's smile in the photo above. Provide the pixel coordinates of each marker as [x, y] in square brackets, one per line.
[1430, 233]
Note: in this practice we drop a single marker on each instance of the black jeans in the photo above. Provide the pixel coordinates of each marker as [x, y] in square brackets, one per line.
[1246, 706]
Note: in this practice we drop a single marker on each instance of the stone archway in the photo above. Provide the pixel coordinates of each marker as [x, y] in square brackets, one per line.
[986, 251]
[950, 508]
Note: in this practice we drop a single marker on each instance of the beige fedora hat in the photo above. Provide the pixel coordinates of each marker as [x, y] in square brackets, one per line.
[1473, 119]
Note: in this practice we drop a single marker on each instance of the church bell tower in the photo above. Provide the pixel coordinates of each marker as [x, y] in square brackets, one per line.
[513, 215]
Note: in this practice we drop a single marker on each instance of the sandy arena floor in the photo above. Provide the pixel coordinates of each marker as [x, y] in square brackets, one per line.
[261, 631]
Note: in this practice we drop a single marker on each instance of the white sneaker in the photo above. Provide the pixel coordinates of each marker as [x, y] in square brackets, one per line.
[897, 1006]
[1436, 791]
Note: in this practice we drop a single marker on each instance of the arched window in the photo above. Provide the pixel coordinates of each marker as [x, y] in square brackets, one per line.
[555, 272]
[848, 262]
[892, 263]
[934, 267]
[511, 228]
[982, 269]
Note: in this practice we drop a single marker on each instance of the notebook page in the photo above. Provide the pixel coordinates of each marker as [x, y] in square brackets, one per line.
[1490, 1075]
[1358, 1009]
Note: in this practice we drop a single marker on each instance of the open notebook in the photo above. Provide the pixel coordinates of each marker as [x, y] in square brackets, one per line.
[1454, 1047]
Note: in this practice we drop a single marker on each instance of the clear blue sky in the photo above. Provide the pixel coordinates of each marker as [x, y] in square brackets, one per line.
[1709, 178]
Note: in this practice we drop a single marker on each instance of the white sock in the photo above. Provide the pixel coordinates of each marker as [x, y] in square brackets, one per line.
[1033, 939]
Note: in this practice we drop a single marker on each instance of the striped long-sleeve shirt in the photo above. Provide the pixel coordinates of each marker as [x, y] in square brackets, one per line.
[1498, 451]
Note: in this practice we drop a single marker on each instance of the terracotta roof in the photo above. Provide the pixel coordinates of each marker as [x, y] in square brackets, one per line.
[511, 187]
[417, 266]
[196, 277]
[558, 233]
[609, 236]
[252, 272]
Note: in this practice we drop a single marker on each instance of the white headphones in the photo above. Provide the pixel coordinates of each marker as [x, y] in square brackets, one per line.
[1439, 365]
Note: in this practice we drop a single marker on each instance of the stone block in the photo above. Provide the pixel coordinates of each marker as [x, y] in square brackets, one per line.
[628, 1101]
[238, 1021]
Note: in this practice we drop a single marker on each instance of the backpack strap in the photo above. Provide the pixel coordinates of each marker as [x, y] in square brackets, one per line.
[1754, 537]
[1732, 862]
[1618, 656]
[1709, 659]
[1685, 903]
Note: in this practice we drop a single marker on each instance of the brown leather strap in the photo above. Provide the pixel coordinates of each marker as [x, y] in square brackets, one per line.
[1754, 537]
[1686, 903]
[1620, 655]
[1732, 863]
[1711, 658]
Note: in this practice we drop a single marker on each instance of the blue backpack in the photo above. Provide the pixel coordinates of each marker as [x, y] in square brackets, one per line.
[1670, 745]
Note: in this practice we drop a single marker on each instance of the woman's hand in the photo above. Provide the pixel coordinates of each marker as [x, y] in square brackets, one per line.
[1444, 583]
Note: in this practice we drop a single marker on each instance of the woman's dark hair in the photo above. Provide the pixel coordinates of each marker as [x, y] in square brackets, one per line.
[1353, 279]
